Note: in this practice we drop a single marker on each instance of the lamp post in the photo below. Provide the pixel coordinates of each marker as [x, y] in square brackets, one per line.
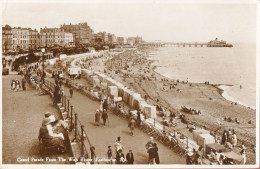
[26, 65]
[43, 51]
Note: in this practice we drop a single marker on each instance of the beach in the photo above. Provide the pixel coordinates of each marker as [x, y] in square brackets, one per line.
[233, 68]
[135, 70]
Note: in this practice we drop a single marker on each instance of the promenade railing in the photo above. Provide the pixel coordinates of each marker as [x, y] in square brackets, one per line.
[76, 128]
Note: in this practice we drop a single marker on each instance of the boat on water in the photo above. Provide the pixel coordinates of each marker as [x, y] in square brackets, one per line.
[218, 43]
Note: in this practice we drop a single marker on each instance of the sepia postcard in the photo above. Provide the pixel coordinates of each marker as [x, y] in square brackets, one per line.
[130, 84]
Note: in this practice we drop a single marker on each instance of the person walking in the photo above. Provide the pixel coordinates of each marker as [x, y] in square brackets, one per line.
[243, 154]
[132, 125]
[13, 85]
[24, 84]
[97, 117]
[138, 118]
[130, 157]
[17, 84]
[157, 159]
[105, 105]
[104, 117]
[101, 106]
[118, 145]
[71, 92]
[149, 143]
[151, 154]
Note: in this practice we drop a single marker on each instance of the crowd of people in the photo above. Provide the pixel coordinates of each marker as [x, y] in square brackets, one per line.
[190, 110]
[229, 138]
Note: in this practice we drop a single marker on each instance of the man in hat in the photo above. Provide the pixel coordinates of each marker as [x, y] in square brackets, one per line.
[104, 117]
[56, 123]
[151, 154]
[150, 142]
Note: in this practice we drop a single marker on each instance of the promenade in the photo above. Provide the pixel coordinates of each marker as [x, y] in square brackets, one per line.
[22, 115]
[103, 136]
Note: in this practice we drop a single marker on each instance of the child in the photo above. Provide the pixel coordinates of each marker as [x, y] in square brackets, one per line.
[109, 152]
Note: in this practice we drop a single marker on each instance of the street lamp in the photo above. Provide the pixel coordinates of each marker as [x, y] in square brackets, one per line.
[26, 65]
[43, 51]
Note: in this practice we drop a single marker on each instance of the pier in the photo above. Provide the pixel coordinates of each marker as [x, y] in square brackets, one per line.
[176, 44]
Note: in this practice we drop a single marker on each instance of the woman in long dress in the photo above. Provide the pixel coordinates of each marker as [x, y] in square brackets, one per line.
[17, 85]
[13, 85]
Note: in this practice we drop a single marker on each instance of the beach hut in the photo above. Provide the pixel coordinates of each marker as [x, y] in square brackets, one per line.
[113, 90]
[52, 61]
[133, 97]
[109, 81]
[93, 79]
[126, 95]
[149, 110]
[140, 103]
[119, 85]
[215, 146]
[236, 158]
[121, 91]
[88, 74]
[197, 132]
[103, 85]
[102, 77]
[204, 139]
[96, 82]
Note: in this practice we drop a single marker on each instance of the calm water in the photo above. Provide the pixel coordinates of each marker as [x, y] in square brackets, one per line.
[232, 66]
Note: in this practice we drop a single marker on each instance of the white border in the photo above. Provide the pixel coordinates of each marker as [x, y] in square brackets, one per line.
[6, 166]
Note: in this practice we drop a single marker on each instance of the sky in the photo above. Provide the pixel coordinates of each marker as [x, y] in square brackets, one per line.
[153, 20]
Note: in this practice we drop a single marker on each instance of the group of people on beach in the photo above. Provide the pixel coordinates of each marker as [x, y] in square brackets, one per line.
[229, 138]
[190, 110]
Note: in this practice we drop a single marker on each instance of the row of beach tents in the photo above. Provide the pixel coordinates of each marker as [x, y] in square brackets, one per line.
[119, 92]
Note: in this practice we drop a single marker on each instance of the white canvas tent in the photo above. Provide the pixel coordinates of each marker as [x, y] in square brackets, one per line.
[204, 139]
[149, 110]
[197, 132]
[113, 90]
[103, 85]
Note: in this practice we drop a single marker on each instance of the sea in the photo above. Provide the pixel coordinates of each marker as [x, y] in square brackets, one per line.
[233, 69]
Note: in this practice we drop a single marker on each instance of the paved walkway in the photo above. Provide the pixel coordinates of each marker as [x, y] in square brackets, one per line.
[101, 137]
[22, 115]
